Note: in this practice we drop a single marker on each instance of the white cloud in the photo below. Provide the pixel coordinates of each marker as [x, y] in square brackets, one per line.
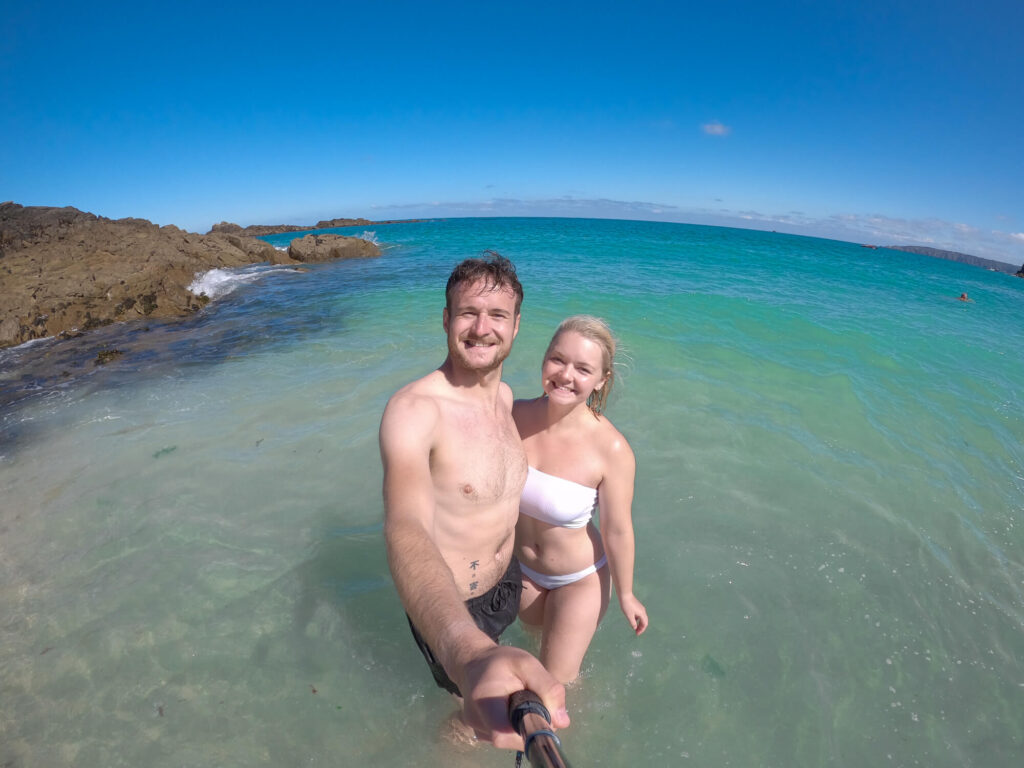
[1017, 236]
[716, 129]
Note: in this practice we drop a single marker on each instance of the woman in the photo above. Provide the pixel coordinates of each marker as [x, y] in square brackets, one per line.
[579, 464]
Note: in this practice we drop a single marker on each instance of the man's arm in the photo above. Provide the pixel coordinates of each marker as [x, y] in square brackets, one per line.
[422, 577]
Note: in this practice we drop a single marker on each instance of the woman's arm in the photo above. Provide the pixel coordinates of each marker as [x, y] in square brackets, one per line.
[615, 499]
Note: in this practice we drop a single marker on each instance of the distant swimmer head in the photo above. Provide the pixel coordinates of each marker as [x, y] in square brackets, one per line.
[963, 297]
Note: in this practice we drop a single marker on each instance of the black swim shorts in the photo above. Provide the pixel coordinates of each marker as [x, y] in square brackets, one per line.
[492, 611]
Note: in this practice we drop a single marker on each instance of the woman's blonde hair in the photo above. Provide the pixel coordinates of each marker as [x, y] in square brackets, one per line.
[596, 330]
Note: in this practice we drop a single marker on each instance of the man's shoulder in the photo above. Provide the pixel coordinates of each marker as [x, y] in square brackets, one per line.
[505, 394]
[430, 387]
[417, 401]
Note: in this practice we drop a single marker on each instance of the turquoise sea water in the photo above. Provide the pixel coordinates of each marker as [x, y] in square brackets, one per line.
[829, 511]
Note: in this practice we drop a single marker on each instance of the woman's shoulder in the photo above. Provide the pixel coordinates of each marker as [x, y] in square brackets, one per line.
[525, 412]
[525, 404]
[611, 441]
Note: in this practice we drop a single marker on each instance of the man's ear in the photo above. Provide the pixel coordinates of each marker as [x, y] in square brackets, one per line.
[444, 319]
[515, 330]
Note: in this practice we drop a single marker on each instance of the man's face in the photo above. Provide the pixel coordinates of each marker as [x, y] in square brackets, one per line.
[481, 324]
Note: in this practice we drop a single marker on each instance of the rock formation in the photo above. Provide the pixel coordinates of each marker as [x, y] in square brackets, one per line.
[332, 223]
[330, 247]
[63, 270]
[256, 230]
[259, 230]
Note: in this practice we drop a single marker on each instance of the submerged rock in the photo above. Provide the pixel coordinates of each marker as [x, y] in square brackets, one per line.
[104, 356]
[711, 667]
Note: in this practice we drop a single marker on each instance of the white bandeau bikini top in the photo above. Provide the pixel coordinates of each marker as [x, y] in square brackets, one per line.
[557, 501]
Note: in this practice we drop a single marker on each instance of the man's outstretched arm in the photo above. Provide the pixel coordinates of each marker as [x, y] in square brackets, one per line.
[422, 577]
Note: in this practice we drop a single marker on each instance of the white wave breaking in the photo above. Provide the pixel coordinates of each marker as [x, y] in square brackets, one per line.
[218, 283]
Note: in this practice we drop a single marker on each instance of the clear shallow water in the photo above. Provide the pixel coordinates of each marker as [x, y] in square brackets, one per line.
[829, 511]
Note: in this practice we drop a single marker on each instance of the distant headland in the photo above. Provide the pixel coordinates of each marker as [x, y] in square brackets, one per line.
[64, 271]
[260, 230]
[964, 258]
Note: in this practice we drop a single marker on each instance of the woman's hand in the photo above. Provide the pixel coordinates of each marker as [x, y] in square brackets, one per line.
[635, 613]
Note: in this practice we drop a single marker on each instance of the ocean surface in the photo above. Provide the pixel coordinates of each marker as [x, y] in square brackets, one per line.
[829, 510]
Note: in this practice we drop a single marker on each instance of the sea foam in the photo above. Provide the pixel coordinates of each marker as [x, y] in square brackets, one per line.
[218, 283]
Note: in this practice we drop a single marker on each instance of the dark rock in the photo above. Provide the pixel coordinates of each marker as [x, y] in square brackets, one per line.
[225, 228]
[256, 230]
[261, 230]
[334, 223]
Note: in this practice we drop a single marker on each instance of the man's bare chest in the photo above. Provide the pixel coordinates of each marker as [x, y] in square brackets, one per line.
[479, 459]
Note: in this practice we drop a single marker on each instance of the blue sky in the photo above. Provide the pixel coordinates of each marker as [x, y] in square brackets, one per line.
[894, 121]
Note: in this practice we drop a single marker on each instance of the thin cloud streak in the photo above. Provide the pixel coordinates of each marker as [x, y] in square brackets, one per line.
[716, 129]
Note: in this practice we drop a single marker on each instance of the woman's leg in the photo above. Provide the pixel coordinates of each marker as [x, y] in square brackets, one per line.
[531, 604]
[571, 616]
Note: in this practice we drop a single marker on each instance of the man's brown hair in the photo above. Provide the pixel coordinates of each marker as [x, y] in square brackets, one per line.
[495, 270]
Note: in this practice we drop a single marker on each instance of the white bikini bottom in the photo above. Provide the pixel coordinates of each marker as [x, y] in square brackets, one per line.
[548, 581]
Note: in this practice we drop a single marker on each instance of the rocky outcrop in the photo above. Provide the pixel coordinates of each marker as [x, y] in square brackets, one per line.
[1020, 272]
[332, 223]
[260, 230]
[329, 247]
[256, 230]
[64, 270]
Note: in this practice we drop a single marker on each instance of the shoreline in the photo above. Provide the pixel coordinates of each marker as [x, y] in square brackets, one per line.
[64, 272]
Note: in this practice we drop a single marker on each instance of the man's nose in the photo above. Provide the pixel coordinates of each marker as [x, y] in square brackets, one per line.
[481, 325]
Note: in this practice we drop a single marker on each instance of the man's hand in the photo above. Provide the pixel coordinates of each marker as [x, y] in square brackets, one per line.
[493, 675]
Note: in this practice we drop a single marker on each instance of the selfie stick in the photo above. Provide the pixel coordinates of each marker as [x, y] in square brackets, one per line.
[533, 722]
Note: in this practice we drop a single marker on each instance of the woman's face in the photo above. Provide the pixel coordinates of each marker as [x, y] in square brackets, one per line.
[572, 369]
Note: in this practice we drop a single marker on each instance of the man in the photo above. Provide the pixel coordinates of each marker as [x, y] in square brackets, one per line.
[453, 471]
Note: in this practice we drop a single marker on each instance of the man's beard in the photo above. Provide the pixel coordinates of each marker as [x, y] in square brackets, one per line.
[458, 352]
